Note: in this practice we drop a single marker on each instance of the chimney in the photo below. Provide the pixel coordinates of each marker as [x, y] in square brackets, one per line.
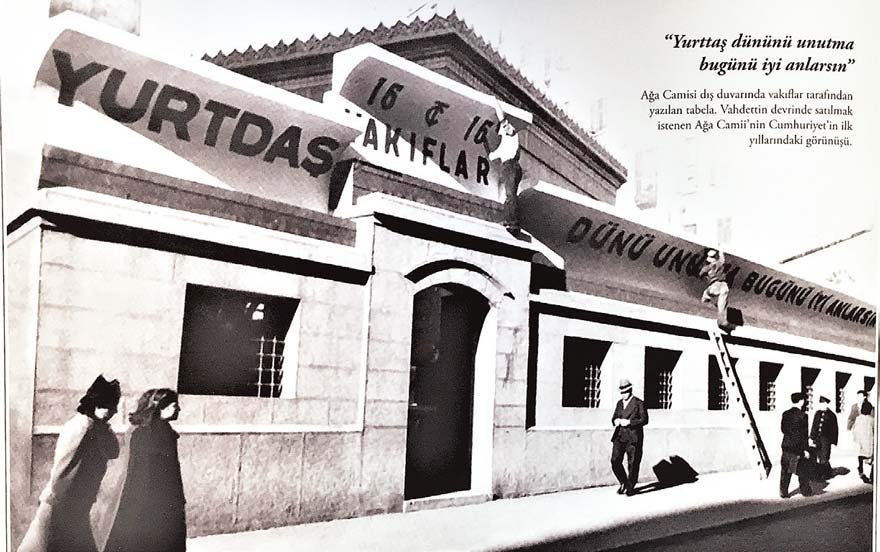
[123, 14]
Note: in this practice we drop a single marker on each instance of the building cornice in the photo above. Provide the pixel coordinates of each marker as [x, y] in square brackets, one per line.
[460, 41]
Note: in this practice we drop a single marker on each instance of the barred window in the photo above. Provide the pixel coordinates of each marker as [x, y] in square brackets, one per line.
[234, 343]
[767, 374]
[770, 395]
[718, 396]
[582, 371]
[840, 381]
[659, 366]
[808, 382]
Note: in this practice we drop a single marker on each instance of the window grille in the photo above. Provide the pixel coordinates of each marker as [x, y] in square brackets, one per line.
[270, 367]
[767, 374]
[841, 379]
[808, 397]
[665, 388]
[592, 378]
[724, 401]
[718, 396]
[770, 394]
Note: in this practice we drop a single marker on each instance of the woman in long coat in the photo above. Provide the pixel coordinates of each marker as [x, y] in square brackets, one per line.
[863, 432]
[85, 445]
[152, 512]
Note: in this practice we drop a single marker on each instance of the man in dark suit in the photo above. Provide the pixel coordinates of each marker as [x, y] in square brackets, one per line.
[794, 445]
[824, 430]
[630, 416]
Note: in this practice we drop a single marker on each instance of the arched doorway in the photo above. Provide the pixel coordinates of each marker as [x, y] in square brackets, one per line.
[447, 323]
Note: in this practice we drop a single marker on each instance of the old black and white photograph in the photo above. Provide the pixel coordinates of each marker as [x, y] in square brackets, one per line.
[448, 275]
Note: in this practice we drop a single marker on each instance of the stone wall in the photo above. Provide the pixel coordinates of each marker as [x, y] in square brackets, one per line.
[338, 448]
[504, 283]
[22, 293]
[118, 309]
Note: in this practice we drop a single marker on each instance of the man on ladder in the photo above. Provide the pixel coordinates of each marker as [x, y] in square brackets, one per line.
[505, 159]
[713, 271]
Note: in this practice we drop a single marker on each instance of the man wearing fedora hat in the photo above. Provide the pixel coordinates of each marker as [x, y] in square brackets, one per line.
[630, 416]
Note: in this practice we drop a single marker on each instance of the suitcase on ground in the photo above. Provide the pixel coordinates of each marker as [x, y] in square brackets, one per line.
[812, 470]
[674, 471]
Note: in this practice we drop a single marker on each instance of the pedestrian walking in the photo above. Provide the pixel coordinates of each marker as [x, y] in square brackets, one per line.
[630, 416]
[713, 272]
[794, 445]
[863, 432]
[824, 430]
[152, 514]
[855, 409]
[85, 445]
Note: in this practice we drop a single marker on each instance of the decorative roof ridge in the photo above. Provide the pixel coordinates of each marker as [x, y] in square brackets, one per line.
[400, 31]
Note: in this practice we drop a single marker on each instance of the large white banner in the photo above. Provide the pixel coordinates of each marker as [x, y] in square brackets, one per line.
[610, 256]
[251, 136]
[419, 122]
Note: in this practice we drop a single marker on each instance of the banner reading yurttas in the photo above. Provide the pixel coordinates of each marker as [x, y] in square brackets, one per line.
[419, 122]
[610, 256]
[251, 136]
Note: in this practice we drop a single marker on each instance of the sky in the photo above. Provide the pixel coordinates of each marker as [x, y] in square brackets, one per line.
[583, 51]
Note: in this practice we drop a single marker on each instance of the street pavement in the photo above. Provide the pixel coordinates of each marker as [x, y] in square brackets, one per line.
[586, 520]
[843, 525]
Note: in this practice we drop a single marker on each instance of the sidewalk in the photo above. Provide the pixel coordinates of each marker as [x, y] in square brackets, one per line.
[609, 520]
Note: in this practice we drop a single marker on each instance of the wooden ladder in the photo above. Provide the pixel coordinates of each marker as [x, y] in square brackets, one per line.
[739, 401]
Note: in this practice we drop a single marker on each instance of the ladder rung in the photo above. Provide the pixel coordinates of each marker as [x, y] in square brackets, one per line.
[729, 376]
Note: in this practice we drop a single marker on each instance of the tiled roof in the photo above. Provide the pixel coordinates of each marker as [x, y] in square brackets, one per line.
[435, 26]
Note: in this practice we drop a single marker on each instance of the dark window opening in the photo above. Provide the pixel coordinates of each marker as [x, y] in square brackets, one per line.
[767, 374]
[659, 365]
[719, 398]
[233, 342]
[840, 381]
[582, 371]
[869, 383]
[808, 383]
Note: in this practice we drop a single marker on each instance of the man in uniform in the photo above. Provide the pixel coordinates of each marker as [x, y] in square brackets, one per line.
[630, 416]
[824, 430]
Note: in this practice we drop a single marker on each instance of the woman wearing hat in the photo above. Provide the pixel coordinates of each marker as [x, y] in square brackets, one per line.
[152, 512]
[85, 445]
